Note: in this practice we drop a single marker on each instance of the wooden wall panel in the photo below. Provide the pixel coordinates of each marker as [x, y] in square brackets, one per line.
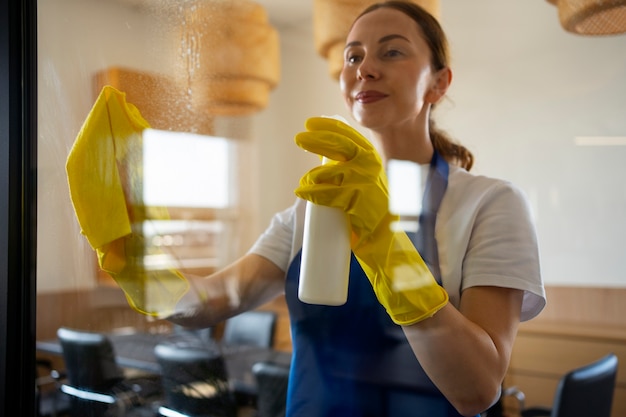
[603, 306]
[578, 326]
[105, 309]
[553, 355]
[99, 309]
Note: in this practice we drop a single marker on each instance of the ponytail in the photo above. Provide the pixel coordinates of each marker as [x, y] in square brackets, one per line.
[451, 151]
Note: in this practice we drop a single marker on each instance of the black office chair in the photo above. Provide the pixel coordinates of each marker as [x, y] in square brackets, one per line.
[272, 380]
[251, 328]
[96, 385]
[195, 382]
[583, 392]
[50, 401]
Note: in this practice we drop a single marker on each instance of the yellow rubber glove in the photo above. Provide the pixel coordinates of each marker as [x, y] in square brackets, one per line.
[105, 180]
[355, 181]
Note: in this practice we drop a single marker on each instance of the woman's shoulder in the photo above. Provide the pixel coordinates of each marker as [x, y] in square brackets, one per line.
[461, 177]
[465, 187]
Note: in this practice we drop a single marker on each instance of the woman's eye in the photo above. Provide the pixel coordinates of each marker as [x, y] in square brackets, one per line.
[353, 59]
[392, 53]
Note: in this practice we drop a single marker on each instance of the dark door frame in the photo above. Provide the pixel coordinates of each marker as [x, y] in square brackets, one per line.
[18, 214]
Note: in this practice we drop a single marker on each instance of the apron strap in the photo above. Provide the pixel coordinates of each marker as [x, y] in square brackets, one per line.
[424, 240]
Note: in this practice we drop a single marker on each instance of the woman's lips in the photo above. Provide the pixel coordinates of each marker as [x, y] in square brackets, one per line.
[369, 96]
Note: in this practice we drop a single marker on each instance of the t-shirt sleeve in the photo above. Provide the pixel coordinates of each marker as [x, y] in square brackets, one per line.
[276, 242]
[503, 249]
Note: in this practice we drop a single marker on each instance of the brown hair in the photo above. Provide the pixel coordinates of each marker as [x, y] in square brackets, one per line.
[438, 44]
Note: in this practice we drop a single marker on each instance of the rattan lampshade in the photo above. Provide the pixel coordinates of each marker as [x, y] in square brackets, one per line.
[230, 56]
[332, 20]
[592, 17]
[161, 101]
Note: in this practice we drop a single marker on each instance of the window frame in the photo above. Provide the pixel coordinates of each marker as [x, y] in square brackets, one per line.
[18, 214]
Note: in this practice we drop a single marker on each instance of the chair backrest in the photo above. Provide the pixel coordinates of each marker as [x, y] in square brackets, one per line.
[587, 391]
[252, 328]
[272, 380]
[49, 400]
[201, 336]
[89, 359]
[195, 381]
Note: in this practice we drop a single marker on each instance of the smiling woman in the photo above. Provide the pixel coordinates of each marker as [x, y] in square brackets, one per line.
[518, 109]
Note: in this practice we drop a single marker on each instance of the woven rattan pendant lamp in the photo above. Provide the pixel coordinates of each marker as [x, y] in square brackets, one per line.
[230, 56]
[332, 20]
[592, 17]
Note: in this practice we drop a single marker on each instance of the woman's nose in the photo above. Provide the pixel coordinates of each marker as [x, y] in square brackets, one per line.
[367, 70]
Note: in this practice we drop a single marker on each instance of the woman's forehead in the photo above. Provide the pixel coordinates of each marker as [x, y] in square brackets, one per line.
[382, 22]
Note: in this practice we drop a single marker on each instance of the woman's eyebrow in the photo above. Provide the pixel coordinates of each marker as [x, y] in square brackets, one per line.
[384, 39]
[392, 37]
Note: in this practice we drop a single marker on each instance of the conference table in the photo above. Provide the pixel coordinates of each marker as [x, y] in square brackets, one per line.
[135, 350]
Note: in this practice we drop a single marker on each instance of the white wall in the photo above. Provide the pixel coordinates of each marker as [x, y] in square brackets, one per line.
[75, 39]
[523, 89]
[305, 90]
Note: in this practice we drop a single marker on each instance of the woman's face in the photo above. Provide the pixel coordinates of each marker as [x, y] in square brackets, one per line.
[387, 73]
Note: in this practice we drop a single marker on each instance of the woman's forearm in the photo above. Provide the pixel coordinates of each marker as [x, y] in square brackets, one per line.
[466, 353]
[244, 285]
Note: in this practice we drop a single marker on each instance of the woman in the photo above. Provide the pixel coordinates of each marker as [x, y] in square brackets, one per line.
[441, 348]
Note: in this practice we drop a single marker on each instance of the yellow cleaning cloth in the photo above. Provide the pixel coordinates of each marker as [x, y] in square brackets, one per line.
[105, 179]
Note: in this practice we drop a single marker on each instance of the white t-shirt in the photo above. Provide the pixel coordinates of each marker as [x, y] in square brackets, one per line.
[484, 231]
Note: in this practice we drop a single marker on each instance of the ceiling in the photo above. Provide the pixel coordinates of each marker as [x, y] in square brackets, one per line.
[494, 16]
[282, 13]
[285, 13]
[289, 13]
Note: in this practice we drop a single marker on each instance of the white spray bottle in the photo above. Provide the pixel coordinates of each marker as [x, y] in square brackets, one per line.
[325, 264]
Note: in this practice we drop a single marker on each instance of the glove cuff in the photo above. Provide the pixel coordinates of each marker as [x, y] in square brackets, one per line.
[438, 298]
[400, 278]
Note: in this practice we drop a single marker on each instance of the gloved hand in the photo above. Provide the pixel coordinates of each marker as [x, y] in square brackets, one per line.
[355, 181]
[106, 192]
[209, 301]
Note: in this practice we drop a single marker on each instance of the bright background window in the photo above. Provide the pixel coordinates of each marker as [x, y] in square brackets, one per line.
[185, 170]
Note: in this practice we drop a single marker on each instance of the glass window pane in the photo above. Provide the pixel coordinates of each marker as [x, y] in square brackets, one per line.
[183, 162]
[203, 181]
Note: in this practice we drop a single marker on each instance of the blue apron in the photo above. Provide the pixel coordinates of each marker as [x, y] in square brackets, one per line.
[352, 360]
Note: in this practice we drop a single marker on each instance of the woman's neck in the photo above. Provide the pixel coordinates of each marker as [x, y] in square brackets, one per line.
[407, 146]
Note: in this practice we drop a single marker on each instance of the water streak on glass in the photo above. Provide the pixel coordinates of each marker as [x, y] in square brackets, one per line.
[191, 43]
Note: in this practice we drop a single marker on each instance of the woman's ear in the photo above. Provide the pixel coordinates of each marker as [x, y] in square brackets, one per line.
[441, 82]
